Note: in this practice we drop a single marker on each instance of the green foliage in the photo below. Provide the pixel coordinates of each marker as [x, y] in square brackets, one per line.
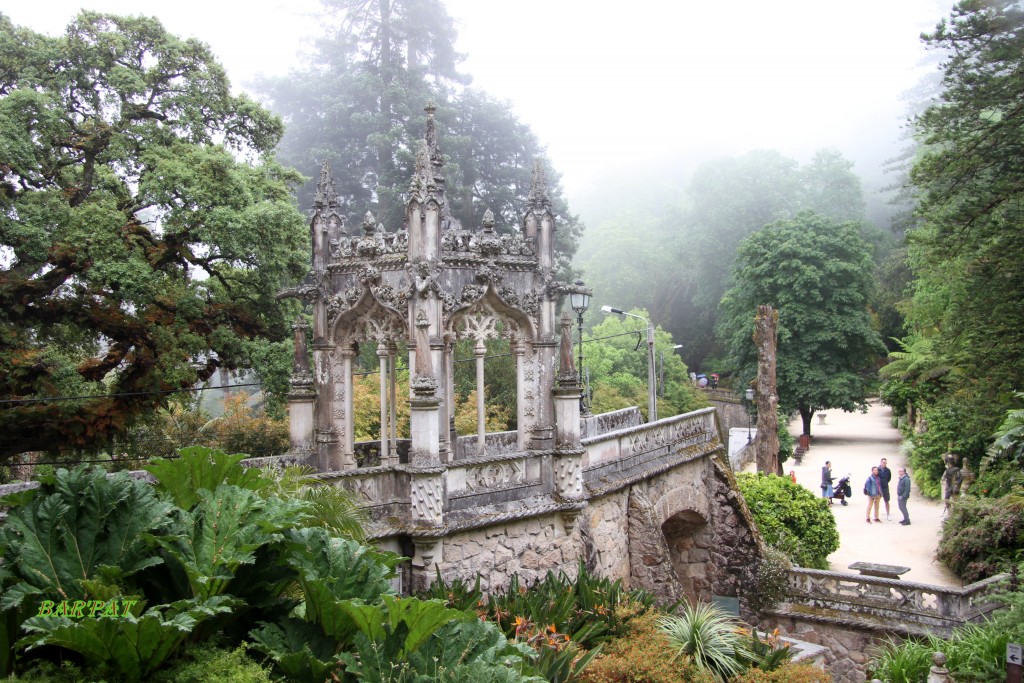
[617, 363]
[772, 580]
[200, 468]
[79, 525]
[766, 654]
[209, 664]
[590, 609]
[791, 518]
[817, 274]
[643, 655]
[975, 653]
[675, 261]
[708, 635]
[128, 645]
[964, 349]
[300, 650]
[906, 662]
[223, 531]
[144, 254]
[216, 564]
[981, 537]
[464, 649]
[787, 673]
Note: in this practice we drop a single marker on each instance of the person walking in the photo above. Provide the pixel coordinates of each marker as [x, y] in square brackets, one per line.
[826, 481]
[873, 490]
[903, 493]
[885, 476]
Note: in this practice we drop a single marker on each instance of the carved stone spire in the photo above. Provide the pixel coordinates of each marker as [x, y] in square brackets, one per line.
[539, 200]
[326, 192]
[422, 183]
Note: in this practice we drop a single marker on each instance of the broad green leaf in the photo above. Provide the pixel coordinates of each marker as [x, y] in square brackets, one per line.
[82, 525]
[223, 531]
[198, 468]
[133, 646]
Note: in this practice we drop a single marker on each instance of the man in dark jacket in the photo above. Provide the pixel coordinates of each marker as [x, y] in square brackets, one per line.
[885, 476]
[902, 493]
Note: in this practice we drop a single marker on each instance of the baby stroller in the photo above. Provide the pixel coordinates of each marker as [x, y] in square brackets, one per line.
[842, 490]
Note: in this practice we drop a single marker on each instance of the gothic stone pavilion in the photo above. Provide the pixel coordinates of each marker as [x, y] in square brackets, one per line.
[499, 503]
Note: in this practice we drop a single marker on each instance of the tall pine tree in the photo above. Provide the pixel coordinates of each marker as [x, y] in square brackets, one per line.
[359, 105]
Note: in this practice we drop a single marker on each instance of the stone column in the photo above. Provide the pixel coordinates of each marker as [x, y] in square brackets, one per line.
[385, 413]
[568, 455]
[519, 350]
[479, 351]
[301, 396]
[348, 451]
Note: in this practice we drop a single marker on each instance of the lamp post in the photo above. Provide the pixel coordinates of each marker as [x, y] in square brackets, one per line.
[579, 299]
[652, 394]
[749, 395]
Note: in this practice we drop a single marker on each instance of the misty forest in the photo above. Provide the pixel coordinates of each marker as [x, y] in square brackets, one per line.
[151, 214]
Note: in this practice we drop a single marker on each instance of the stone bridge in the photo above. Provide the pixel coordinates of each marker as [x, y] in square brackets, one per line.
[652, 503]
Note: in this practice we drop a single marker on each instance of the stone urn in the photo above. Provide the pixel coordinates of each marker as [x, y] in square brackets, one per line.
[821, 418]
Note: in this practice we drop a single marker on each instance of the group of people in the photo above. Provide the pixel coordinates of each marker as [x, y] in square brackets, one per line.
[876, 488]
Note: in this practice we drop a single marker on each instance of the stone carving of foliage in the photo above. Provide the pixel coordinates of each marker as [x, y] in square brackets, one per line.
[369, 275]
[449, 302]
[509, 295]
[471, 293]
[479, 327]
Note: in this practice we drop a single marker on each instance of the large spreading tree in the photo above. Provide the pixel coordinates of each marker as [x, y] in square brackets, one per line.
[144, 227]
[359, 104]
[962, 357]
[967, 251]
[818, 274]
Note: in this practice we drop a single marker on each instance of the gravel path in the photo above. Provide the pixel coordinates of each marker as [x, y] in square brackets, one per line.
[854, 442]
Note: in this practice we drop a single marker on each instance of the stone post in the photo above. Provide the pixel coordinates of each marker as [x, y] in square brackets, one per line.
[302, 395]
[939, 673]
[568, 455]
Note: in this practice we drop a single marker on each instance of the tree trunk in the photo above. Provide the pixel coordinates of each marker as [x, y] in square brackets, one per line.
[766, 443]
[806, 413]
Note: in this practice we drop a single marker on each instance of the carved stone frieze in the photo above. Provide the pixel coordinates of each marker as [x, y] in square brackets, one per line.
[363, 489]
[495, 475]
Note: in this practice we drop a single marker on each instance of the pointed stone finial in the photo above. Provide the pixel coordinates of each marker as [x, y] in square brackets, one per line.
[539, 199]
[326, 193]
[488, 221]
[431, 126]
[369, 223]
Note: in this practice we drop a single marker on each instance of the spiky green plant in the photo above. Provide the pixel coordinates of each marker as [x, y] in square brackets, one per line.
[709, 636]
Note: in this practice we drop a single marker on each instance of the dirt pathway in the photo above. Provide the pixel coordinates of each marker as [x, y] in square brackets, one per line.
[854, 442]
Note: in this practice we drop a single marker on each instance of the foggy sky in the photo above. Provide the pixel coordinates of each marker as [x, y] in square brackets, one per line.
[609, 86]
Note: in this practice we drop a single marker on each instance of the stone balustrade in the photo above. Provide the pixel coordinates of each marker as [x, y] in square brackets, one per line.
[920, 608]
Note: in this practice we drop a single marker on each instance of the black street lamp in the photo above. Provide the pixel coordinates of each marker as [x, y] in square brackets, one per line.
[749, 395]
[579, 299]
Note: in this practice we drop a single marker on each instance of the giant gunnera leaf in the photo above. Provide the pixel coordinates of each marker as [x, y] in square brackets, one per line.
[80, 525]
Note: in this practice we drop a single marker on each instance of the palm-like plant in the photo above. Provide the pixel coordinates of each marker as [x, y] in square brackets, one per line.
[708, 635]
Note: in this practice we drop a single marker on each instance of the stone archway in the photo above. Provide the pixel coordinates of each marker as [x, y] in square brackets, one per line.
[690, 541]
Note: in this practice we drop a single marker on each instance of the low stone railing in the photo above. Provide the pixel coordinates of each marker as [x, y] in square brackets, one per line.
[920, 607]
